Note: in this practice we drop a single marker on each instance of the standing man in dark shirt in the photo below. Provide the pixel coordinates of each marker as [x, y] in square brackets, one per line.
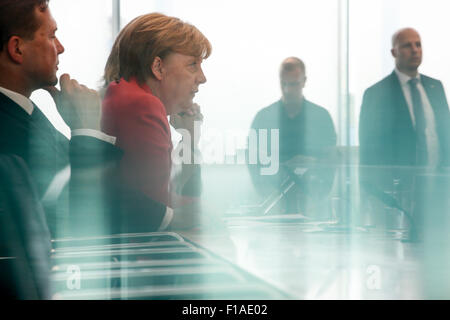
[305, 130]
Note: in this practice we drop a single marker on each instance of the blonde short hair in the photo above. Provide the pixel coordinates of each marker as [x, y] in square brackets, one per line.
[150, 36]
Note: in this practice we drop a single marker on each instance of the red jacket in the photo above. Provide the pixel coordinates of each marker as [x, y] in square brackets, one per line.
[138, 120]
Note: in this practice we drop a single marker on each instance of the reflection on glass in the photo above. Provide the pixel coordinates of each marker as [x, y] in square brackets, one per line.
[361, 241]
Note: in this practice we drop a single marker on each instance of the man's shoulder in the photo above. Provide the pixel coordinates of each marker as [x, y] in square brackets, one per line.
[267, 115]
[388, 81]
[6, 102]
[382, 84]
[428, 79]
[274, 107]
[10, 111]
[268, 111]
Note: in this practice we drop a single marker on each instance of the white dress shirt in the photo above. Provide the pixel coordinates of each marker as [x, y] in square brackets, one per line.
[430, 131]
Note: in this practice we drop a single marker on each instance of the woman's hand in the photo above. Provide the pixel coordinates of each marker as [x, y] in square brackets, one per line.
[189, 120]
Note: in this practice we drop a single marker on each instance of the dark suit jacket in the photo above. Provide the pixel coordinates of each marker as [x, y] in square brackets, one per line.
[24, 235]
[46, 151]
[386, 132]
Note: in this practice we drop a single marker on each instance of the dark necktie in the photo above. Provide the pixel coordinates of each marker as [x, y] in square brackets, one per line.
[421, 141]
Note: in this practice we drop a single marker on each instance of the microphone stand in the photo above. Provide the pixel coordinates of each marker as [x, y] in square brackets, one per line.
[389, 200]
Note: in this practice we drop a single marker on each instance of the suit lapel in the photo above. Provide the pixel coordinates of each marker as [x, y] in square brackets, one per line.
[14, 110]
[11, 108]
[32, 128]
[430, 90]
[402, 114]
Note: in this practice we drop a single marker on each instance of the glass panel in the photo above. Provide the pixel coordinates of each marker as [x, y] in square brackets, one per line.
[400, 192]
[340, 237]
[248, 48]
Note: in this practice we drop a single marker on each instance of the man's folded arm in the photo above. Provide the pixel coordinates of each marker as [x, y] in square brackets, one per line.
[91, 147]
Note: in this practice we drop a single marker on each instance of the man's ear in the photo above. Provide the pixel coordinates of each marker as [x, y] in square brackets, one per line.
[304, 81]
[14, 48]
[157, 68]
[394, 53]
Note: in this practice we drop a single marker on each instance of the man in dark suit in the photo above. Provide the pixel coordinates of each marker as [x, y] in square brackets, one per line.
[404, 130]
[29, 51]
[405, 117]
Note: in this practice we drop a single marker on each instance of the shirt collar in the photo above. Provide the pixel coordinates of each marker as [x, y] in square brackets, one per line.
[20, 99]
[404, 78]
[300, 105]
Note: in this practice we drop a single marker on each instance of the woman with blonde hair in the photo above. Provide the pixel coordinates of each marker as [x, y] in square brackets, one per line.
[153, 71]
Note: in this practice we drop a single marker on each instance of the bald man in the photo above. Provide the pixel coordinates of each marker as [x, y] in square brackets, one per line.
[405, 117]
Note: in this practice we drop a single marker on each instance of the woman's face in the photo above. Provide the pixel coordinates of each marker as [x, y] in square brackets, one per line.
[181, 76]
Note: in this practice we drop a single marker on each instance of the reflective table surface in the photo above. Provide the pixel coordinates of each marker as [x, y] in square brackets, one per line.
[388, 241]
[321, 260]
